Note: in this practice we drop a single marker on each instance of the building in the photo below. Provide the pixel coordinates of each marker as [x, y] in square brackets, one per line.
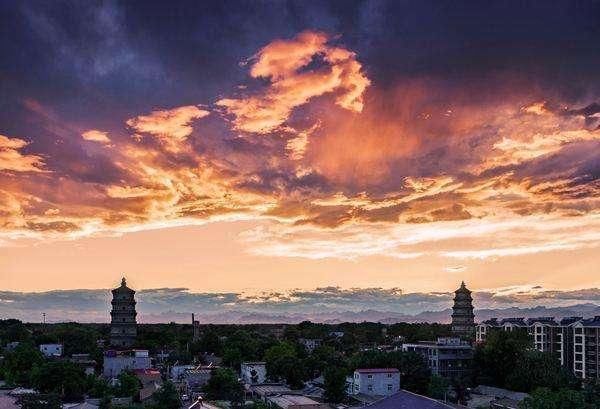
[463, 319]
[116, 362]
[566, 335]
[295, 402]
[123, 326]
[408, 400]
[375, 382]
[447, 357]
[151, 381]
[484, 328]
[51, 350]
[253, 373]
[586, 348]
[85, 362]
[195, 329]
[310, 343]
[544, 333]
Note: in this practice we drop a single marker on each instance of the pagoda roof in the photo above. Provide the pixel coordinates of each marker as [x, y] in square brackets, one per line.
[123, 287]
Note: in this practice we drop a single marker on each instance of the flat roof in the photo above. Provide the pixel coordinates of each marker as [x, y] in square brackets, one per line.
[377, 370]
[284, 401]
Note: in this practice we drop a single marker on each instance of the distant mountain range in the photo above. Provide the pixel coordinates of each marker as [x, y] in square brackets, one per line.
[386, 317]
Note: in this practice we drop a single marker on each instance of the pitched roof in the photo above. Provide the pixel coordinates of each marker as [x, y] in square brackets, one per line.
[408, 400]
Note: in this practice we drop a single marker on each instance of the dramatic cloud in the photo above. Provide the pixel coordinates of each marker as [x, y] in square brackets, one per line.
[291, 84]
[329, 163]
[12, 159]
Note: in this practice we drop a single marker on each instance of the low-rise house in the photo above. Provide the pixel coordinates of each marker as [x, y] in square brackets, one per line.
[408, 400]
[448, 357]
[85, 362]
[496, 398]
[295, 402]
[375, 382]
[268, 389]
[253, 373]
[116, 362]
[51, 350]
[151, 382]
[195, 379]
[11, 346]
[177, 371]
[310, 343]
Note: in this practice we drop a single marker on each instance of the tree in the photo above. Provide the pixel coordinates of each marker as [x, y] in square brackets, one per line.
[335, 384]
[62, 378]
[19, 364]
[129, 385]
[497, 358]
[167, 397]
[539, 369]
[224, 385]
[282, 362]
[438, 387]
[544, 398]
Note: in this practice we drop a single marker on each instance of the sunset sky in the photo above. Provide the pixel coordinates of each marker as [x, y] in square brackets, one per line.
[224, 146]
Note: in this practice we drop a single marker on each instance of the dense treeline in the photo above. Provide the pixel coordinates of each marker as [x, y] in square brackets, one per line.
[506, 360]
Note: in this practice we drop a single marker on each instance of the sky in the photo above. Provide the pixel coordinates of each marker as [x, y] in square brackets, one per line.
[230, 147]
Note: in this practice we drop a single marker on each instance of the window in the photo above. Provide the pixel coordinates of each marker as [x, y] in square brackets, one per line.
[389, 375]
[370, 388]
[390, 386]
[370, 376]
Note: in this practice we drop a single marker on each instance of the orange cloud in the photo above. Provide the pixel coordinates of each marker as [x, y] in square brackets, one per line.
[12, 159]
[281, 62]
[96, 136]
[170, 126]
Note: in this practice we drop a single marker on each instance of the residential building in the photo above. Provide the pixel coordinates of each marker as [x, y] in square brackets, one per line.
[150, 380]
[51, 350]
[513, 324]
[85, 362]
[586, 348]
[544, 333]
[463, 319]
[253, 373]
[566, 339]
[405, 399]
[447, 357]
[310, 343]
[123, 326]
[116, 362]
[295, 402]
[484, 328]
[375, 382]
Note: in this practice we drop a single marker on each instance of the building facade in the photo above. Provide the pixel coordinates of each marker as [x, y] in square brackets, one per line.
[116, 362]
[586, 348]
[463, 319]
[51, 350]
[123, 326]
[253, 373]
[544, 334]
[446, 357]
[375, 382]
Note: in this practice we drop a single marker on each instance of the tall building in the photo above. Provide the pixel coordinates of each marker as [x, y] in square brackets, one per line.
[586, 348]
[463, 319]
[123, 326]
[447, 357]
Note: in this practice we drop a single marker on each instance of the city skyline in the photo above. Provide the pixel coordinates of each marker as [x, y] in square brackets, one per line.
[354, 145]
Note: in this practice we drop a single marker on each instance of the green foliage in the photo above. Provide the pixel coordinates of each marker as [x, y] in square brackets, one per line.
[414, 374]
[12, 330]
[282, 362]
[167, 397]
[224, 385]
[497, 358]
[129, 385]
[438, 387]
[544, 398]
[17, 365]
[539, 369]
[62, 378]
[335, 384]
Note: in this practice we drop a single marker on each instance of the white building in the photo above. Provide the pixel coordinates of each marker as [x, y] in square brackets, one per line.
[117, 362]
[51, 350]
[310, 343]
[253, 373]
[375, 382]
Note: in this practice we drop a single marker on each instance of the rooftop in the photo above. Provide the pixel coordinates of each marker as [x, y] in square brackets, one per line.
[285, 401]
[408, 400]
[377, 370]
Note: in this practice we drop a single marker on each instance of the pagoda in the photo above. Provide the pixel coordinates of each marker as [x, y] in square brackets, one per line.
[123, 326]
[463, 319]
